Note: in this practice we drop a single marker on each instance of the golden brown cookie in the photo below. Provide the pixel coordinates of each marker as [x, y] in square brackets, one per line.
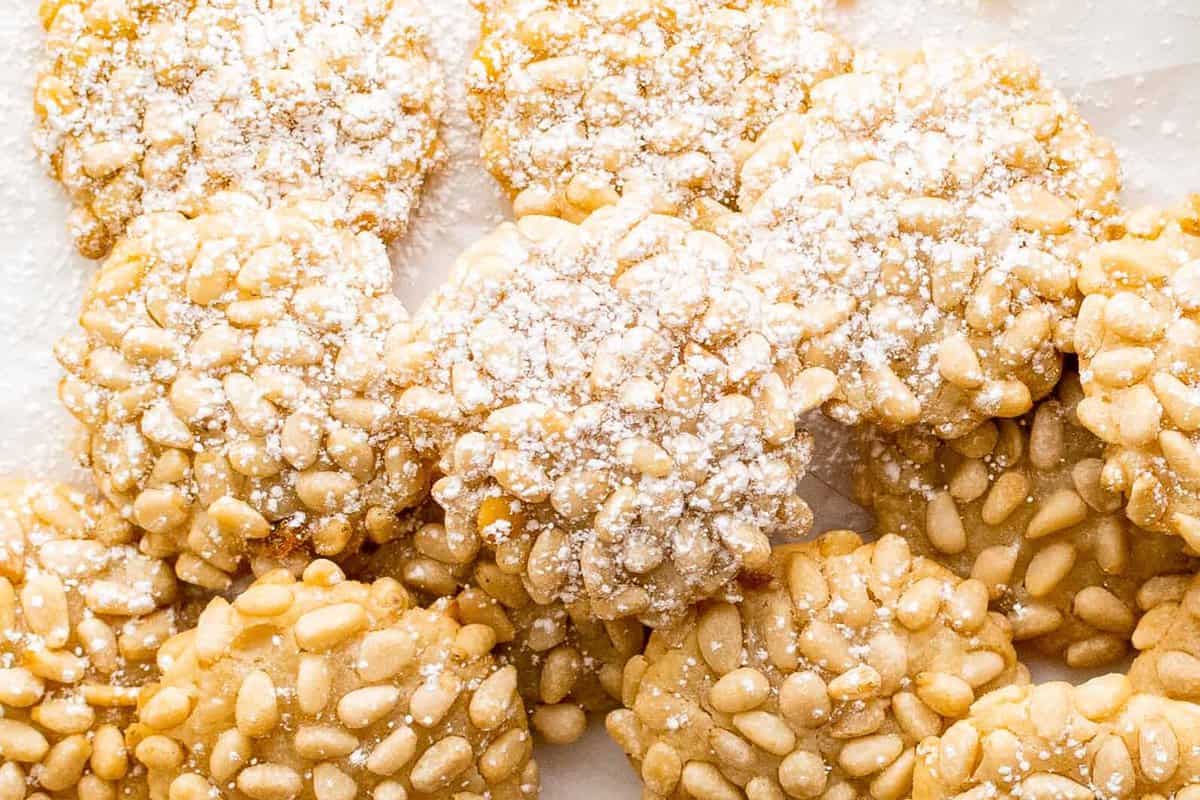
[83, 614]
[1055, 741]
[154, 105]
[917, 233]
[228, 376]
[1137, 337]
[840, 659]
[612, 423]
[331, 688]
[1019, 504]
[583, 100]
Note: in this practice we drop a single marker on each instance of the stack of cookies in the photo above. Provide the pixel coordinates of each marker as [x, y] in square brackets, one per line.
[338, 551]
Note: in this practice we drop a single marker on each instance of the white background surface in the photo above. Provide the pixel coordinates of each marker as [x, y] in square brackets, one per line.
[1132, 65]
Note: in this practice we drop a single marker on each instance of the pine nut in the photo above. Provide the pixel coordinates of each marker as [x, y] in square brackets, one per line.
[441, 764]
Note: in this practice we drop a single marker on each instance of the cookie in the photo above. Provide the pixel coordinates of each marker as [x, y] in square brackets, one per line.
[83, 614]
[154, 105]
[922, 223]
[1020, 505]
[581, 100]
[1055, 740]
[568, 662]
[840, 659]
[331, 688]
[611, 422]
[1135, 337]
[227, 374]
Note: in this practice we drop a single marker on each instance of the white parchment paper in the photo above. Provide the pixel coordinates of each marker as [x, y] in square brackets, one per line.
[1134, 67]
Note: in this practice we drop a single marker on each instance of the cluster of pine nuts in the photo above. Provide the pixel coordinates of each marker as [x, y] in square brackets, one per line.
[569, 663]
[1137, 337]
[330, 688]
[154, 105]
[1020, 506]
[926, 216]
[228, 376]
[612, 425]
[1099, 740]
[582, 100]
[83, 615]
[842, 657]
[1168, 638]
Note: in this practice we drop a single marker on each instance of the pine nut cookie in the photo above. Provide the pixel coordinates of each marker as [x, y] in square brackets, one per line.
[1055, 741]
[842, 657]
[83, 614]
[331, 688]
[613, 425]
[152, 105]
[568, 662]
[1137, 336]
[227, 374]
[1168, 637]
[921, 225]
[1020, 506]
[580, 100]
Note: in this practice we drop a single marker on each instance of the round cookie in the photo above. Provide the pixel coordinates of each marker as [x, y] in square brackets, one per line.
[612, 424]
[1062, 742]
[83, 614]
[838, 662]
[568, 662]
[153, 105]
[330, 688]
[1019, 505]
[921, 224]
[581, 100]
[1137, 337]
[228, 377]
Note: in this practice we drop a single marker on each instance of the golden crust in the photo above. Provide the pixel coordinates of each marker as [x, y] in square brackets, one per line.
[568, 662]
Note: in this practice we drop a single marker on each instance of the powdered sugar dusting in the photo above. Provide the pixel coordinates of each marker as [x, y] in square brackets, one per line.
[581, 101]
[607, 411]
[151, 105]
[924, 221]
[228, 373]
